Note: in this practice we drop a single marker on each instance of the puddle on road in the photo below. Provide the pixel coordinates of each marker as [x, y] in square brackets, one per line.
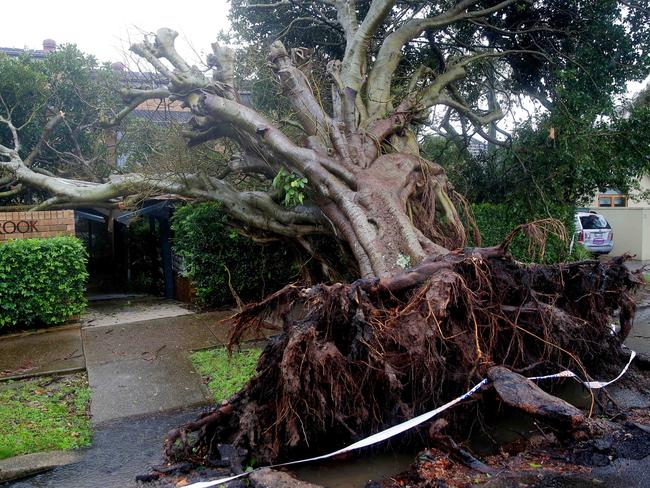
[356, 472]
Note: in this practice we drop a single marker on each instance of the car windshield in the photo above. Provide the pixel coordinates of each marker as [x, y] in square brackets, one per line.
[594, 222]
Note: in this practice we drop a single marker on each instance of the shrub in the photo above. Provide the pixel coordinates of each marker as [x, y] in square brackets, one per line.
[42, 281]
[495, 221]
[216, 257]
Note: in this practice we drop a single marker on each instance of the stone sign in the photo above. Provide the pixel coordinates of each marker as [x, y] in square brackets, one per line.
[29, 225]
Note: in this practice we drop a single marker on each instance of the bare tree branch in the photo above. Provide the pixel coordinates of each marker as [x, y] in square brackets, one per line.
[134, 98]
[381, 75]
[311, 115]
[49, 127]
[634, 5]
[280, 3]
[14, 135]
[346, 14]
[12, 191]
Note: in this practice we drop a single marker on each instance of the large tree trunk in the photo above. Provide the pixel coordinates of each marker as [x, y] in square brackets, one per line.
[382, 218]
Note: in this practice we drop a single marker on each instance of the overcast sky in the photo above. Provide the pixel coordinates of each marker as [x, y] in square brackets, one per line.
[103, 28]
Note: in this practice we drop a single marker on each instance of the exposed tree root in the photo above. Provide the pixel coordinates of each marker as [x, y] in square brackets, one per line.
[356, 358]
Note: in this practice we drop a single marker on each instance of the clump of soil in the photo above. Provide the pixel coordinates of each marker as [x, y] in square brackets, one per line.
[357, 358]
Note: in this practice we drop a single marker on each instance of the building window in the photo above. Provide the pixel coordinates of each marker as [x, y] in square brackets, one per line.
[612, 200]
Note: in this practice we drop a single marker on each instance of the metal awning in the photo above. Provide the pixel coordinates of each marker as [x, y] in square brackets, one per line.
[160, 209]
[89, 216]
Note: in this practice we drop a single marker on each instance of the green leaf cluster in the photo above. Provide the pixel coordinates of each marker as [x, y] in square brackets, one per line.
[68, 81]
[216, 257]
[42, 281]
[560, 160]
[290, 186]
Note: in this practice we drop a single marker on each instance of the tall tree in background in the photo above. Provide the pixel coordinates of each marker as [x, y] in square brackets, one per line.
[580, 138]
[53, 104]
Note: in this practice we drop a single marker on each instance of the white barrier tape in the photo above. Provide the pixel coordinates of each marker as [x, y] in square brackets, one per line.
[594, 385]
[368, 441]
[409, 424]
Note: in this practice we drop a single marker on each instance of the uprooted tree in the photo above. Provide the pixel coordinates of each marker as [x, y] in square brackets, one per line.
[427, 317]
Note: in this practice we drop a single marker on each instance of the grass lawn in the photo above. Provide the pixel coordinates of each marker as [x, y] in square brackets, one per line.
[44, 414]
[225, 374]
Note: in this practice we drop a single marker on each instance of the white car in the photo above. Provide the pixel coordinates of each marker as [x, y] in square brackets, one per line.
[594, 232]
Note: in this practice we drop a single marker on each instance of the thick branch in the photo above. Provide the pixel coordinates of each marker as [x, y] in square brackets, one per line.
[223, 60]
[12, 191]
[346, 14]
[356, 51]
[252, 163]
[164, 47]
[134, 98]
[14, 135]
[381, 75]
[251, 208]
[49, 127]
[305, 161]
[271, 5]
[310, 113]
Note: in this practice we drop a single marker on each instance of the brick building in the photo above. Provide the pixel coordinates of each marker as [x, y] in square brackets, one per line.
[42, 224]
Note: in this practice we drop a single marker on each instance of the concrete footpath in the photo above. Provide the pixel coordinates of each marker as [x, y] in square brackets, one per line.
[141, 378]
[134, 367]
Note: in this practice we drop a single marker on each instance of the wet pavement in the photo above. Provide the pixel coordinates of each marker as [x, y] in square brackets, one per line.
[121, 450]
[134, 387]
[144, 367]
[41, 352]
[115, 309]
[639, 337]
[629, 473]
[134, 367]
[137, 370]
[152, 339]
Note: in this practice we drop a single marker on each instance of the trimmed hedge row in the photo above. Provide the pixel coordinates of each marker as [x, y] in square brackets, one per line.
[216, 257]
[42, 281]
[496, 221]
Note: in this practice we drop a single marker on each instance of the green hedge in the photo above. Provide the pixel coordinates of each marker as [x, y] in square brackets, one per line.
[42, 281]
[213, 255]
[496, 221]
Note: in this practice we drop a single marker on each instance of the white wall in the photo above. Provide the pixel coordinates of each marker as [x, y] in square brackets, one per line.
[644, 183]
[631, 228]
